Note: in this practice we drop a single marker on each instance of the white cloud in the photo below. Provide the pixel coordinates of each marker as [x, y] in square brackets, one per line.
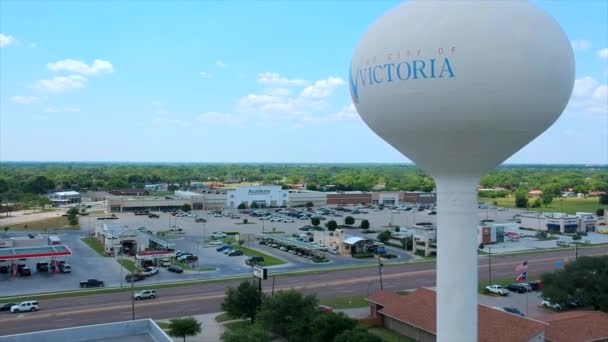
[217, 118]
[276, 79]
[590, 96]
[59, 110]
[220, 64]
[79, 67]
[347, 113]
[61, 83]
[24, 99]
[603, 53]
[322, 88]
[580, 44]
[205, 74]
[5, 40]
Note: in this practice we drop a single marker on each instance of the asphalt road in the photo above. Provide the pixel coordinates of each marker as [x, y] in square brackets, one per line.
[200, 299]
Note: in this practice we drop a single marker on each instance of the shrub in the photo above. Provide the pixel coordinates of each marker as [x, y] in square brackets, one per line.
[245, 221]
[481, 246]
[349, 220]
[365, 224]
[576, 237]
[389, 256]
[397, 229]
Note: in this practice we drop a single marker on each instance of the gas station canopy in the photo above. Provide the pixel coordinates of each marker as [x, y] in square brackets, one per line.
[17, 253]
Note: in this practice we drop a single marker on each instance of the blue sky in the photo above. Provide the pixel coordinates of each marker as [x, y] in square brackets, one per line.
[231, 81]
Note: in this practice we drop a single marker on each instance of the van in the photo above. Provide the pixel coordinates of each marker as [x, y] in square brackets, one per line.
[165, 262]
[27, 306]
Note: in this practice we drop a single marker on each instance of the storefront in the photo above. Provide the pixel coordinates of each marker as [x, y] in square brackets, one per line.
[257, 196]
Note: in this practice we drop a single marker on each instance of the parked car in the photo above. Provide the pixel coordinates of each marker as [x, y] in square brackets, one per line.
[535, 284]
[228, 250]
[549, 304]
[218, 235]
[236, 252]
[175, 269]
[513, 310]
[133, 277]
[24, 271]
[517, 287]
[145, 294]
[92, 283]
[165, 262]
[497, 289]
[255, 260]
[7, 306]
[216, 243]
[65, 268]
[27, 306]
[150, 271]
[222, 248]
[42, 267]
[562, 243]
[200, 219]
[188, 258]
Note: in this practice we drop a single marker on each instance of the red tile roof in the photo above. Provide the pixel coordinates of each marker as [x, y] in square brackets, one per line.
[418, 309]
[577, 326]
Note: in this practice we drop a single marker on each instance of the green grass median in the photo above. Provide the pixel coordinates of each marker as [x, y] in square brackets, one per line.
[269, 260]
[129, 265]
[351, 302]
[95, 245]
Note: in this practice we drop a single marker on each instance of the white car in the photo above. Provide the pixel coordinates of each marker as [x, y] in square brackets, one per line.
[218, 235]
[216, 243]
[145, 294]
[548, 304]
[150, 271]
[165, 262]
[27, 306]
[497, 289]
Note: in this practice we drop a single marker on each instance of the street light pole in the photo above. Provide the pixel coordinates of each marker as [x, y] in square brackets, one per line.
[380, 265]
[490, 265]
[133, 296]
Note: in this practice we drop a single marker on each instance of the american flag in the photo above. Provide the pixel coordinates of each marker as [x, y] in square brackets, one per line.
[522, 267]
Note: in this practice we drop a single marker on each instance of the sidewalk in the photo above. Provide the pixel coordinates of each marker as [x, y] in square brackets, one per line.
[210, 329]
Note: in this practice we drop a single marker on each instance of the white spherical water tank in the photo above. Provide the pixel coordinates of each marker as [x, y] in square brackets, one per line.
[458, 87]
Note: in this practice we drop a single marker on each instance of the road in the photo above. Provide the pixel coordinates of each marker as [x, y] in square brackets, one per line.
[207, 298]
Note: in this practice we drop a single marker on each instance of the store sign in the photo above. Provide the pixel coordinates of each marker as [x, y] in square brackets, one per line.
[260, 272]
[259, 192]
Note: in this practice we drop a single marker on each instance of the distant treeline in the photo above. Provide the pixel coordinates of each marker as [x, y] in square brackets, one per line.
[20, 179]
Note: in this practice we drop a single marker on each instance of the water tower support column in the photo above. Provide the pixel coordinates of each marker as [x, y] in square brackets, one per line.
[457, 222]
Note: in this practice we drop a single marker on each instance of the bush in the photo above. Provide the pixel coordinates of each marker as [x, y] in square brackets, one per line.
[536, 203]
[384, 236]
[365, 224]
[245, 221]
[331, 225]
[309, 205]
[388, 256]
[349, 220]
[241, 206]
[576, 237]
[481, 246]
[600, 212]
[397, 229]
[541, 235]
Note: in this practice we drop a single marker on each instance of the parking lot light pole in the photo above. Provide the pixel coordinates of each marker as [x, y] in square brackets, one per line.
[133, 296]
[489, 265]
[380, 265]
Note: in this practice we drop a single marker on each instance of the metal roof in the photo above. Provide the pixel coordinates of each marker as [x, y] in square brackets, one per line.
[15, 253]
[288, 240]
[353, 240]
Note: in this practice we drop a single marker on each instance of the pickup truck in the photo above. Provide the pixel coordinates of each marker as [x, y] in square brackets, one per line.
[92, 283]
[497, 289]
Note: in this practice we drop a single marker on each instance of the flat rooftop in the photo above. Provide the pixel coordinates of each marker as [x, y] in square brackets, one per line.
[34, 252]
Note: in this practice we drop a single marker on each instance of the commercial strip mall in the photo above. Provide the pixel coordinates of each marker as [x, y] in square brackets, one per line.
[262, 196]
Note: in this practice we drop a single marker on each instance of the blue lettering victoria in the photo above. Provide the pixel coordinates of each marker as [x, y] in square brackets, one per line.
[398, 71]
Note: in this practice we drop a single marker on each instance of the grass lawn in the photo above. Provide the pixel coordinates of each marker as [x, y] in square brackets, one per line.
[245, 223]
[163, 325]
[570, 205]
[236, 325]
[60, 222]
[223, 317]
[548, 238]
[345, 302]
[268, 259]
[129, 265]
[389, 335]
[275, 232]
[95, 245]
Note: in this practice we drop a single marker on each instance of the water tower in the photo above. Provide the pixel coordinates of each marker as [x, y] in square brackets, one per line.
[458, 87]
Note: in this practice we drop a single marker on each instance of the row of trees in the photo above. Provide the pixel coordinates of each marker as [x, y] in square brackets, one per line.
[288, 314]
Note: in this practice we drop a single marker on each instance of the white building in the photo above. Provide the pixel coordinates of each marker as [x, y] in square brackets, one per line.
[551, 222]
[118, 239]
[587, 221]
[64, 198]
[263, 196]
[301, 197]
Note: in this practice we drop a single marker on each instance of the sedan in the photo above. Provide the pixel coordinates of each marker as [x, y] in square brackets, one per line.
[519, 288]
[235, 252]
[6, 307]
[222, 248]
[175, 269]
[134, 277]
[150, 271]
[216, 243]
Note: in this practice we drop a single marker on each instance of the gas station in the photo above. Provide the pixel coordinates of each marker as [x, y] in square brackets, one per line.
[10, 256]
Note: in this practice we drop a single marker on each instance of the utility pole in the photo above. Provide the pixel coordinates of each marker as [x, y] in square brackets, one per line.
[380, 265]
[490, 265]
[272, 294]
[575, 251]
[132, 296]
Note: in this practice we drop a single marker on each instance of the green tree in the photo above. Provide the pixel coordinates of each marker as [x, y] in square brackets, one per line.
[309, 205]
[385, 236]
[536, 203]
[39, 185]
[364, 224]
[349, 220]
[183, 327]
[584, 280]
[326, 326]
[172, 187]
[357, 335]
[73, 216]
[315, 221]
[546, 198]
[289, 314]
[242, 206]
[331, 225]
[604, 199]
[249, 333]
[600, 212]
[254, 205]
[186, 207]
[521, 199]
[242, 301]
